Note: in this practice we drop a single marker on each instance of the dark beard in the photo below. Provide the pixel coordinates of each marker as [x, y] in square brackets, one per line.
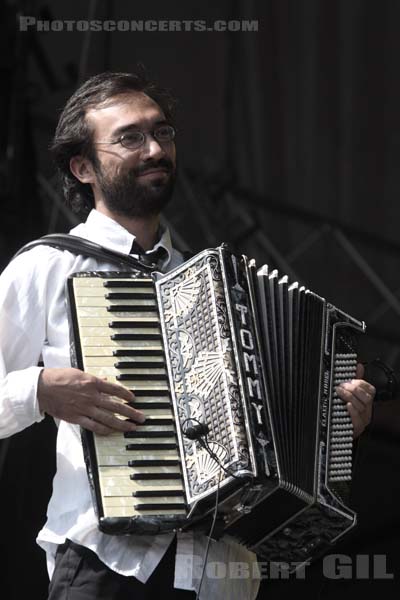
[124, 195]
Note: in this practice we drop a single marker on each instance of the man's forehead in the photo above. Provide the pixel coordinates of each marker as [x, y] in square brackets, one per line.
[131, 108]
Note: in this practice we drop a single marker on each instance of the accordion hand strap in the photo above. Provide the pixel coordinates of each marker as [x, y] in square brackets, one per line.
[78, 245]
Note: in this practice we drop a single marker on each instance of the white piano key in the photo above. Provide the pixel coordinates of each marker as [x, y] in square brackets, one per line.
[125, 511]
[101, 311]
[112, 372]
[120, 459]
[107, 351]
[145, 386]
[158, 469]
[128, 491]
[103, 452]
[149, 427]
[81, 282]
[156, 441]
[109, 361]
[92, 340]
[104, 322]
[130, 501]
[107, 332]
[88, 291]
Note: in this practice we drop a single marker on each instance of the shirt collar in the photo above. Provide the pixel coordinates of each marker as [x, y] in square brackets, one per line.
[103, 230]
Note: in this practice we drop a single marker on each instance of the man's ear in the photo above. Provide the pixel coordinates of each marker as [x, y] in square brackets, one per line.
[82, 168]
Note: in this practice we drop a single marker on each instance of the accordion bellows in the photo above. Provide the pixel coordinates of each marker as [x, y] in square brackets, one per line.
[255, 359]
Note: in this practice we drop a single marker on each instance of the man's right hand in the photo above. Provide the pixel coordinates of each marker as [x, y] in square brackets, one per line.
[79, 398]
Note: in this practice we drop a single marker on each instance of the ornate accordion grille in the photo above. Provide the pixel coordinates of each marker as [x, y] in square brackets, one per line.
[202, 372]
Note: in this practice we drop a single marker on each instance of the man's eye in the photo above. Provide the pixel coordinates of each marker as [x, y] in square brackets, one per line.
[165, 132]
[135, 137]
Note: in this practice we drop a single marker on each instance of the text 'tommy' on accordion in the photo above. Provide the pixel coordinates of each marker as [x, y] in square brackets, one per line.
[251, 356]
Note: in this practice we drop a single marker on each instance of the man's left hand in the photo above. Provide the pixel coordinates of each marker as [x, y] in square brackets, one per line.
[359, 396]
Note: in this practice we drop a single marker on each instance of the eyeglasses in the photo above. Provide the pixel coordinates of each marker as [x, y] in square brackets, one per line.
[135, 139]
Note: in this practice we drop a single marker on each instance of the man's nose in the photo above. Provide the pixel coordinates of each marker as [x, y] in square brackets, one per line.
[151, 148]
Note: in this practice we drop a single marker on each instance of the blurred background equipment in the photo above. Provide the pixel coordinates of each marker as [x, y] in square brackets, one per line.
[288, 148]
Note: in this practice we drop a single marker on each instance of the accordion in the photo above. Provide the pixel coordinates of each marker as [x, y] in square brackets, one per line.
[236, 370]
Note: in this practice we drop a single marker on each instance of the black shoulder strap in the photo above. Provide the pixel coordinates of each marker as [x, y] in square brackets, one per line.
[78, 245]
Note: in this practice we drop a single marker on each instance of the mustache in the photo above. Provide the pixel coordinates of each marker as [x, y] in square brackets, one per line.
[163, 163]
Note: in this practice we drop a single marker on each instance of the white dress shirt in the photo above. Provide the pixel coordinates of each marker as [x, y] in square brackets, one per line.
[34, 324]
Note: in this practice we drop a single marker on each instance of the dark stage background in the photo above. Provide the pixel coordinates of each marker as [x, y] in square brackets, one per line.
[288, 149]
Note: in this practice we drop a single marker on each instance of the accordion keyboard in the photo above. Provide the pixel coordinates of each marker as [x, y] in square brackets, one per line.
[120, 339]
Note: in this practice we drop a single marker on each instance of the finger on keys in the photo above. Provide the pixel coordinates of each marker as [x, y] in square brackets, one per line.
[114, 389]
[117, 406]
[347, 392]
[358, 389]
[110, 418]
[360, 370]
[92, 425]
[133, 418]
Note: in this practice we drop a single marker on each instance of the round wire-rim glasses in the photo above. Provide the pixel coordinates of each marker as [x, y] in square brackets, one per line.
[132, 140]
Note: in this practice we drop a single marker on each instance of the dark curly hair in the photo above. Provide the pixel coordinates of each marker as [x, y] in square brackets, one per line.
[73, 135]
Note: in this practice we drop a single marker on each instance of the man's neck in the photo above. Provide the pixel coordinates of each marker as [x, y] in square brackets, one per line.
[144, 229]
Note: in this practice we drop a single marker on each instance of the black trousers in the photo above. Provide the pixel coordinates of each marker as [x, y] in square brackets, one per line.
[80, 575]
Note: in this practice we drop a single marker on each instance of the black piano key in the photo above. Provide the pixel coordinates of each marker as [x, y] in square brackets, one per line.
[141, 377]
[136, 336]
[150, 405]
[153, 421]
[129, 296]
[133, 308]
[149, 392]
[139, 364]
[167, 506]
[138, 352]
[132, 323]
[153, 462]
[158, 476]
[142, 446]
[156, 493]
[149, 434]
[160, 421]
[118, 283]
